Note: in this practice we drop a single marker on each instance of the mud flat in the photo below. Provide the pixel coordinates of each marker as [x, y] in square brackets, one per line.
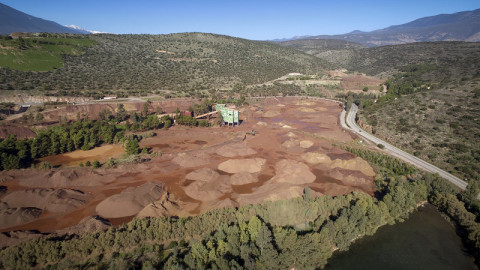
[200, 169]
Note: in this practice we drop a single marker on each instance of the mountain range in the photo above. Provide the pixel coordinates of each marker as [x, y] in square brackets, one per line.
[461, 26]
[12, 20]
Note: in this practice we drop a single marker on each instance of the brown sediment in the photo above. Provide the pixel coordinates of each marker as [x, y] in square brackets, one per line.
[205, 168]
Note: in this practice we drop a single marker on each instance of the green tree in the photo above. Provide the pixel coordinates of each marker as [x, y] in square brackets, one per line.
[131, 148]
[96, 164]
[121, 114]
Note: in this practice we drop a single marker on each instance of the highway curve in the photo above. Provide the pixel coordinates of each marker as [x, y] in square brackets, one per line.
[394, 151]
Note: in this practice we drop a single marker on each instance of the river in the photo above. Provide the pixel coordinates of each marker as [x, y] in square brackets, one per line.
[424, 241]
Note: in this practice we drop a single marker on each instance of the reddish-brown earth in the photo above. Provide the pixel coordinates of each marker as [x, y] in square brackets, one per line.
[201, 169]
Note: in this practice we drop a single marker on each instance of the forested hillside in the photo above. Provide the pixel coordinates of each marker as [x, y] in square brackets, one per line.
[431, 108]
[186, 62]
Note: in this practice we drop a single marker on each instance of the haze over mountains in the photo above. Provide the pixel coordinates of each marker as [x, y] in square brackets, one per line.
[461, 26]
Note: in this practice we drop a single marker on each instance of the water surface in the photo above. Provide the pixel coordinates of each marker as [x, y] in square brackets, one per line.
[424, 241]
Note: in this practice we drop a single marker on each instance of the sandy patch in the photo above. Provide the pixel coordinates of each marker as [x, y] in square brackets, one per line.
[355, 164]
[285, 126]
[261, 123]
[271, 192]
[316, 158]
[130, 201]
[189, 160]
[53, 200]
[348, 178]
[290, 143]
[102, 154]
[272, 113]
[293, 172]
[235, 150]
[243, 178]
[227, 203]
[291, 135]
[203, 174]
[250, 165]
[207, 191]
[306, 144]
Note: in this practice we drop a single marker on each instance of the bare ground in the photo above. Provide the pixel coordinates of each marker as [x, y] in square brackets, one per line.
[205, 168]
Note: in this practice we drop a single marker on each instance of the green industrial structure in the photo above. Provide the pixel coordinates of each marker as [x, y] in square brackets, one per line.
[230, 116]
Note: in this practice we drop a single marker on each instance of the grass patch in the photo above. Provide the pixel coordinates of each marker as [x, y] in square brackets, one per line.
[39, 53]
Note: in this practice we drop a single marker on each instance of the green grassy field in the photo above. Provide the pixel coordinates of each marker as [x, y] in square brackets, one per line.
[39, 53]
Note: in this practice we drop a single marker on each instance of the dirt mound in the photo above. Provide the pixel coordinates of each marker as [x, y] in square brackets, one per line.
[130, 201]
[227, 203]
[270, 114]
[243, 178]
[356, 164]
[250, 165]
[189, 160]
[352, 178]
[290, 143]
[10, 217]
[167, 206]
[271, 192]
[235, 150]
[316, 158]
[306, 144]
[19, 131]
[87, 225]
[65, 178]
[291, 135]
[53, 200]
[203, 174]
[207, 191]
[293, 172]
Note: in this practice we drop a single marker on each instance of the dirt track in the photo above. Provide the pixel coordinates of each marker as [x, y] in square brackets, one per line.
[205, 168]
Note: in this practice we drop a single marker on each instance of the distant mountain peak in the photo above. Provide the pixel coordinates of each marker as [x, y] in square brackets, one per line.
[76, 27]
[460, 26]
[12, 20]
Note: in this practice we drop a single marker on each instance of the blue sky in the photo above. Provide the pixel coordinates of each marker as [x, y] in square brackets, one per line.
[260, 20]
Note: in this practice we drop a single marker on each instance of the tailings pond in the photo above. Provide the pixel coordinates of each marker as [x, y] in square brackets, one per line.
[424, 241]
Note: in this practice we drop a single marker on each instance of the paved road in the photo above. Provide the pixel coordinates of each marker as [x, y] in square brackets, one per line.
[392, 150]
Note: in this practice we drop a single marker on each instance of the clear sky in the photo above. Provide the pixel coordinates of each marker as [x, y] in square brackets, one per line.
[260, 19]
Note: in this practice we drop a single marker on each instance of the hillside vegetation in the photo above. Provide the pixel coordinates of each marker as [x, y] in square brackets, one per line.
[187, 62]
[431, 108]
[42, 53]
